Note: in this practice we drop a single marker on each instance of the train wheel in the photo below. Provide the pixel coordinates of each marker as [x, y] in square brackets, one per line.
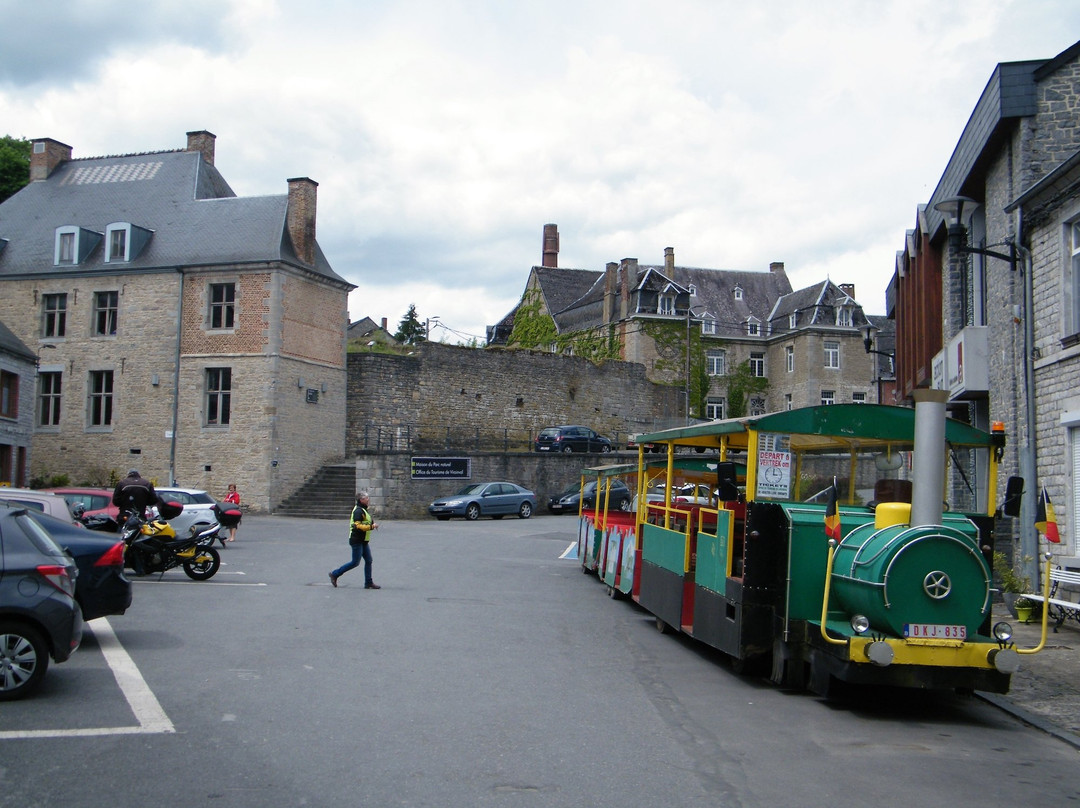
[612, 592]
[662, 627]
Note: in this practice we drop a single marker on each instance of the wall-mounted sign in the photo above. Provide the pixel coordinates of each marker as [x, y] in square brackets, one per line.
[440, 468]
[312, 395]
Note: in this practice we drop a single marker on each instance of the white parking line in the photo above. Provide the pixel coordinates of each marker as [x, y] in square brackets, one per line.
[144, 704]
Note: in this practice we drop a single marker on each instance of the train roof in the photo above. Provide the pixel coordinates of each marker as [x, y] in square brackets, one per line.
[823, 427]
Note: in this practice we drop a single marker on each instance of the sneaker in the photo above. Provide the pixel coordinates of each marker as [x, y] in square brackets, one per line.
[333, 580]
[369, 586]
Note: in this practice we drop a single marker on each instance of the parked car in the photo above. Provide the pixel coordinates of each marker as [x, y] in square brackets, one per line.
[485, 499]
[570, 439]
[44, 501]
[39, 616]
[193, 499]
[619, 499]
[102, 588]
[95, 501]
[631, 443]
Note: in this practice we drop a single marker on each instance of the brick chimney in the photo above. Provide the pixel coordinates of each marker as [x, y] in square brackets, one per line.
[848, 289]
[776, 266]
[611, 290]
[202, 142]
[45, 155]
[551, 245]
[669, 261]
[300, 218]
[383, 326]
[628, 279]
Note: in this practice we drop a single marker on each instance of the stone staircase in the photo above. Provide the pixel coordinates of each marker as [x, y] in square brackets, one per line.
[330, 494]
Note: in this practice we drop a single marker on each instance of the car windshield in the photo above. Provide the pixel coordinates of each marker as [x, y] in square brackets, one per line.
[552, 432]
[472, 488]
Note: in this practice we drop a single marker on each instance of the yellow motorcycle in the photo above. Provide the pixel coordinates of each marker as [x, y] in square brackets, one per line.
[152, 546]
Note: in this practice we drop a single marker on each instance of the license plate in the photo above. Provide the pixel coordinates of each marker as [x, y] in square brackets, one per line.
[934, 631]
[544, 448]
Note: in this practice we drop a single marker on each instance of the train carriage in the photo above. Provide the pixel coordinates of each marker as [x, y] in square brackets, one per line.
[846, 543]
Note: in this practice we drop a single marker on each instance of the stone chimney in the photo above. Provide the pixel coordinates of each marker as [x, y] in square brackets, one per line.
[202, 142]
[628, 278]
[383, 325]
[551, 245]
[45, 155]
[611, 290]
[776, 266]
[669, 261]
[300, 218]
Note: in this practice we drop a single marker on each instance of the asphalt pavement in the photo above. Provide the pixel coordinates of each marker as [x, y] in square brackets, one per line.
[1045, 692]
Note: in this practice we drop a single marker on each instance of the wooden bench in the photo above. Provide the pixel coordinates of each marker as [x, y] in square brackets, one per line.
[1060, 609]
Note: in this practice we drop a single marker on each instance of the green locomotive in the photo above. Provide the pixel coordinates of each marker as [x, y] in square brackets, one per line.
[900, 595]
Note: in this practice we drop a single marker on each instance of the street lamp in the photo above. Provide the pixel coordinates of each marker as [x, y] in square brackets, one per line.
[952, 210]
[868, 342]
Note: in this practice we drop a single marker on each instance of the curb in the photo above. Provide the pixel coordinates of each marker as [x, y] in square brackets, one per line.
[1037, 721]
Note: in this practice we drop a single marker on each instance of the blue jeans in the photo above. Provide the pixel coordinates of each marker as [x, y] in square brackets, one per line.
[361, 550]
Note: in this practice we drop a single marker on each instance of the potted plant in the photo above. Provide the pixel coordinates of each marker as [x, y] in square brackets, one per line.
[1011, 583]
[1024, 609]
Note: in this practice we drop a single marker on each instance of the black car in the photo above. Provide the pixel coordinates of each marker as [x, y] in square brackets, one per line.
[102, 588]
[39, 617]
[619, 499]
[570, 439]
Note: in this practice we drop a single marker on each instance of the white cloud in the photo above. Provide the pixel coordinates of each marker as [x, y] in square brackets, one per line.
[445, 134]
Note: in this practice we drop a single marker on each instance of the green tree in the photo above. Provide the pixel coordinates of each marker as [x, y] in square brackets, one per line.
[741, 384]
[410, 330]
[14, 165]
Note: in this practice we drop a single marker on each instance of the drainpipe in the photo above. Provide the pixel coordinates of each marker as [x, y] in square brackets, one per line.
[1029, 458]
[176, 384]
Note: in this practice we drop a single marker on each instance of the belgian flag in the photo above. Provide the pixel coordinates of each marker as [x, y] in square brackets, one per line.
[1045, 520]
[832, 515]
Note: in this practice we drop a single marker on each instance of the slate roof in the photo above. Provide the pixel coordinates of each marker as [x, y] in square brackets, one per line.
[11, 344]
[814, 305]
[196, 218]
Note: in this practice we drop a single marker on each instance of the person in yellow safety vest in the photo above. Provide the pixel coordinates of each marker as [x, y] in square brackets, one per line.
[360, 527]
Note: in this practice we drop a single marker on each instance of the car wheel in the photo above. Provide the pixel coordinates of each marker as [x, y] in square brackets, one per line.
[525, 511]
[24, 658]
[472, 513]
[624, 504]
[605, 449]
[567, 449]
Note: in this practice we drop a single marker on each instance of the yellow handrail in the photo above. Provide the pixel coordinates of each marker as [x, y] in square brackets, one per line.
[825, 600]
[1045, 610]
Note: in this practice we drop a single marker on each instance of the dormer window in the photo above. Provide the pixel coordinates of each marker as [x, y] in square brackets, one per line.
[666, 304]
[738, 293]
[793, 320]
[753, 327]
[693, 290]
[74, 244]
[124, 241]
[708, 326]
[116, 242]
[843, 316]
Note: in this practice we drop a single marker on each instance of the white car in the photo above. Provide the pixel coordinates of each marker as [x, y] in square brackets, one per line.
[198, 511]
[43, 501]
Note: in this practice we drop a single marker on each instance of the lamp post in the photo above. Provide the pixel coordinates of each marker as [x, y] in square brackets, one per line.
[689, 313]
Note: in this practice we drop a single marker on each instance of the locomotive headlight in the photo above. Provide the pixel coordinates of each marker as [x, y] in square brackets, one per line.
[1003, 632]
[860, 624]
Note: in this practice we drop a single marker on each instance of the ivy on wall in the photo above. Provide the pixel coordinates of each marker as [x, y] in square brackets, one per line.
[534, 328]
[672, 340]
[741, 384]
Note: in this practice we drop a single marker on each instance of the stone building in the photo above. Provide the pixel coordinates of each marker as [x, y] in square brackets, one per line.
[964, 320]
[193, 334]
[695, 328]
[16, 407]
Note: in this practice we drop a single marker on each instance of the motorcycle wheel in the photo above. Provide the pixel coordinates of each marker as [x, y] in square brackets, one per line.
[201, 570]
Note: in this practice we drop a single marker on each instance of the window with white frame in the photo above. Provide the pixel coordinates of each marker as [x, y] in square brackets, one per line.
[66, 245]
[757, 405]
[49, 390]
[828, 397]
[738, 293]
[708, 326]
[716, 362]
[693, 290]
[789, 358]
[858, 398]
[99, 411]
[106, 305]
[753, 327]
[1075, 266]
[793, 319]
[666, 304]
[54, 315]
[843, 316]
[714, 408]
[117, 237]
[787, 401]
[218, 396]
[832, 354]
[757, 364]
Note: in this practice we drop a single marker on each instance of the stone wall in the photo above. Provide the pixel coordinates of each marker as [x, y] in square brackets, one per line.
[497, 393]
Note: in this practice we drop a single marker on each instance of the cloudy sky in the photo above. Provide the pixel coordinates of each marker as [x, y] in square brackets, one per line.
[444, 134]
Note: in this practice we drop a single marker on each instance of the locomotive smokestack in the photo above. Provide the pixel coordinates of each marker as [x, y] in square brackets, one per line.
[928, 466]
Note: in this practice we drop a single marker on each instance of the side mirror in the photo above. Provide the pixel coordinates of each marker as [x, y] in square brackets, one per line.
[1014, 491]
